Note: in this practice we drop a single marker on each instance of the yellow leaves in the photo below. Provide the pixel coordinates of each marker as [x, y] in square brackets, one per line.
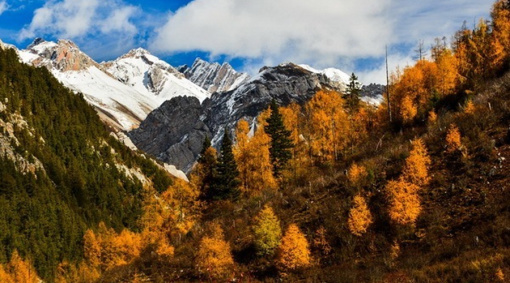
[359, 216]
[453, 141]
[500, 275]
[470, 108]
[214, 257]
[408, 110]
[416, 166]
[253, 158]
[107, 249]
[293, 251]
[404, 202]
[267, 231]
[328, 125]
[18, 270]
[356, 174]
[320, 242]
[432, 117]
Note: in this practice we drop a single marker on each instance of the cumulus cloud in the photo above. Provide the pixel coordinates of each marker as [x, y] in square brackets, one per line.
[298, 30]
[321, 33]
[79, 18]
[3, 6]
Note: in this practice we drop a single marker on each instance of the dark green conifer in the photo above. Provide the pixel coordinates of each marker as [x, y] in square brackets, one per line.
[353, 93]
[226, 183]
[281, 144]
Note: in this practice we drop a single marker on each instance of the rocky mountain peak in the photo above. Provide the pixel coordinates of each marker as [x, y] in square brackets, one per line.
[213, 77]
[63, 55]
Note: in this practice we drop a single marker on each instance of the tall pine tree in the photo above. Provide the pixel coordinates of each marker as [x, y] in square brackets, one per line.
[226, 184]
[353, 93]
[281, 143]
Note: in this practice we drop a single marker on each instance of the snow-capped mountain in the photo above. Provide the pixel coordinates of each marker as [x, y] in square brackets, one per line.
[138, 82]
[335, 75]
[149, 75]
[214, 77]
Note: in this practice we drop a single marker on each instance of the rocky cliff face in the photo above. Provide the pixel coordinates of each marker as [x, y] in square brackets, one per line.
[213, 77]
[63, 56]
[175, 131]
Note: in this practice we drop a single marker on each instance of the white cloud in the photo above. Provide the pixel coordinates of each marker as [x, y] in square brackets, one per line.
[321, 30]
[3, 6]
[320, 33]
[79, 18]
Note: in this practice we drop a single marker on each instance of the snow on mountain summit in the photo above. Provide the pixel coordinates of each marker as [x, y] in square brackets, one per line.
[123, 91]
[152, 76]
[335, 75]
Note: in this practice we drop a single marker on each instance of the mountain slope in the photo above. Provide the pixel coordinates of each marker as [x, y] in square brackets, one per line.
[139, 82]
[60, 169]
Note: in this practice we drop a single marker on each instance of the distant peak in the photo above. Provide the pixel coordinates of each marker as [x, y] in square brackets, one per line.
[36, 42]
[137, 52]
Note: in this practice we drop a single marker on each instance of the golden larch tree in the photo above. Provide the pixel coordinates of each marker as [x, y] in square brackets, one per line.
[253, 159]
[408, 110]
[356, 174]
[453, 137]
[416, 168]
[5, 276]
[404, 200]
[21, 270]
[328, 125]
[432, 117]
[294, 252]
[214, 257]
[359, 216]
[469, 108]
[267, 232]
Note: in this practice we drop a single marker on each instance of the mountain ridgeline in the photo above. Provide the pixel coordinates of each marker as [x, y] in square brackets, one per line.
[175, 131]
[61, 170]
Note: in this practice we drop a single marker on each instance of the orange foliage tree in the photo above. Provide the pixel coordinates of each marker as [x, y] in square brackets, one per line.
[18, 270]
[294, 252]
[214, 257]
[404, 202]
[356, 174]
[416, 166]
[328, 125]
[453, 141]
[359, 216]
[253, 159]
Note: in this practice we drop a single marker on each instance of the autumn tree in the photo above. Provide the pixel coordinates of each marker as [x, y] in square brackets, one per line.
[408, 110]
[281, 142]
[359, 216]
[328, 125]
[356, 174]
[417, 164]
[226, 184]
[293, 252]
[253, 158]
[214, 257]
[404, 202]
[21, 270]
[320, 241]
[5, 276]
[432, 118]
[267, 232]
[453, 141]
[501, 27]
[469, 108]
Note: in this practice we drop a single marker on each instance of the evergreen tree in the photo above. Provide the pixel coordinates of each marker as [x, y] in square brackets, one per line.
[353, 93]
[281, 143]
[226, 184]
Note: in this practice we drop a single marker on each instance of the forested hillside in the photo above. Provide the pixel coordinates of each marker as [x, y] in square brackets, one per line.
[330, 190]
[61, 171]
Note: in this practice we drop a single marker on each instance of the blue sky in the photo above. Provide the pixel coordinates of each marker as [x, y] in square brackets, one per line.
[347, 34]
